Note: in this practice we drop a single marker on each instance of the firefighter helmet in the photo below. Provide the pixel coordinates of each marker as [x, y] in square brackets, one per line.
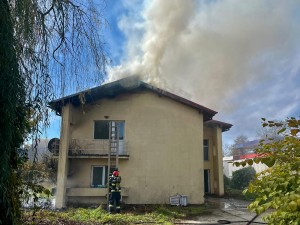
[116, 173]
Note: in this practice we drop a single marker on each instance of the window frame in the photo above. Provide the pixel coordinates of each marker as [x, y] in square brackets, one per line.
[117, 121]
[94, 122]
[103, 176]
[206, 148]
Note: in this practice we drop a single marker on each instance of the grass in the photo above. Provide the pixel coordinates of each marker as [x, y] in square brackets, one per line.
[163, 214]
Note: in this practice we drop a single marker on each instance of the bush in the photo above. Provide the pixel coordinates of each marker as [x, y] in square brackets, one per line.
[241, 178]
[227, 182]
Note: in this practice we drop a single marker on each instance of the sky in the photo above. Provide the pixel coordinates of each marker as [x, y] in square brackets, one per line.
[239, 58]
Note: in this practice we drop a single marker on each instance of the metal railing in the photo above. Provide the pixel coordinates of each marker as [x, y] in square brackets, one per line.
[93, 147]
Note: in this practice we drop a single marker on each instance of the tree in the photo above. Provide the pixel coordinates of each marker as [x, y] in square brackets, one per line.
[43, 45]
[228, 150]
[241, 139]
[279, 186]
[12, 119]
[271, 132]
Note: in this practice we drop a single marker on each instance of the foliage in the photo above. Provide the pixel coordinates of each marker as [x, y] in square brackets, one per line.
[51, 165]
[227, 181]
[279, 186]
[13, 121]
[33, 175]
[43, 45]
[238, 194]
[271, 132]
[241, 178]
[141, 214]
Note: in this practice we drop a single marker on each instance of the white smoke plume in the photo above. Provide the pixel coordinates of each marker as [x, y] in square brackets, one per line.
[213, 50]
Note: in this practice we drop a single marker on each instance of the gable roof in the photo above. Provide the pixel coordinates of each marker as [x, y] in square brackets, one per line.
[126, 85]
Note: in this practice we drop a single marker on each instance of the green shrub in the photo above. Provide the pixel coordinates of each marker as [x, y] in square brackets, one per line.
[241, 178]
[227, 182]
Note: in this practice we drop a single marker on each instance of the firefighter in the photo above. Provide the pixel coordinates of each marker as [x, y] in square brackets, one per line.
[115, 192]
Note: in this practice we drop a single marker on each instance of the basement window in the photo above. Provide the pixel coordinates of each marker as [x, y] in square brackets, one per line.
[98, 176]
[101, 129]
[205, 150]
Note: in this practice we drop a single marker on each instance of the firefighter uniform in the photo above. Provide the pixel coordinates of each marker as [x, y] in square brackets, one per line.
[115, 192]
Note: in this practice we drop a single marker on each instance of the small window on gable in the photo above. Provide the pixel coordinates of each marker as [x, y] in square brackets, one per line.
[205, 150]
[98, 176]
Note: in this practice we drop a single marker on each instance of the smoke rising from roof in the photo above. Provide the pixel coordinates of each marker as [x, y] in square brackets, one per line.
[214, 50]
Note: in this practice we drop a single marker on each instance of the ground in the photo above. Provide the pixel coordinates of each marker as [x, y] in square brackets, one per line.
[228, 209]
[215, 211]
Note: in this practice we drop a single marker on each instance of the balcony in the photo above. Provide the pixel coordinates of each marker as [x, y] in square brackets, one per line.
[93, 148]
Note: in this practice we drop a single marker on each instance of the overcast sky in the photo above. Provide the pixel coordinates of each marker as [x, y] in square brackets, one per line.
[240, 58]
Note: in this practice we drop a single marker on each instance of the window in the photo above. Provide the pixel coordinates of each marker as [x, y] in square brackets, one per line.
[101, 129]
[121, 130]
[205, 150]
[98, 176]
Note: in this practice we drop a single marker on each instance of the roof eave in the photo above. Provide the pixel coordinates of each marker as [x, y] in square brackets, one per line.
[124, 85]
[224, 126]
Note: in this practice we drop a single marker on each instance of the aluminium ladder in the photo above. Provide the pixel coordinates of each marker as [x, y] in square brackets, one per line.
[113, 151]
[113, 148]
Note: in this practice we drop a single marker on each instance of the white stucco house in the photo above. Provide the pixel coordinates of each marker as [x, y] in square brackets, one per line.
[168, 145]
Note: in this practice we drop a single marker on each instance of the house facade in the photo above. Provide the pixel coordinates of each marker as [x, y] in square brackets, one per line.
[168, 145]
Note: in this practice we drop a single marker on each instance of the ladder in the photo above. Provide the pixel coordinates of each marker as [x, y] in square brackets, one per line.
[113, 148]
[113, 151]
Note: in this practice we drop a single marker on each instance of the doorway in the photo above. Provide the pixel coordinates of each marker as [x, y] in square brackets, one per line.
[206, 181]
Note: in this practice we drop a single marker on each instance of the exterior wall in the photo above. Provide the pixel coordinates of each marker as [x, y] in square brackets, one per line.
[214, 164]
[63, 156]
[164, 141]
[209, 165]
[218, 162]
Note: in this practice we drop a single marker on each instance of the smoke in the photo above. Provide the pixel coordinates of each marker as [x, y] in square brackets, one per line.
[161, 31]
[214, 50]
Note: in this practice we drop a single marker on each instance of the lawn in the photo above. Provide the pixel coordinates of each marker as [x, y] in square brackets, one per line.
[146, 214]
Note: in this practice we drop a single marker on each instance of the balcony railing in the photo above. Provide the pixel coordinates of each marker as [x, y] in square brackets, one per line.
[94, 147]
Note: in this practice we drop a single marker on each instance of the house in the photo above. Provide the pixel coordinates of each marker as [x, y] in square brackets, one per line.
[168, 145]
[242, 152]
